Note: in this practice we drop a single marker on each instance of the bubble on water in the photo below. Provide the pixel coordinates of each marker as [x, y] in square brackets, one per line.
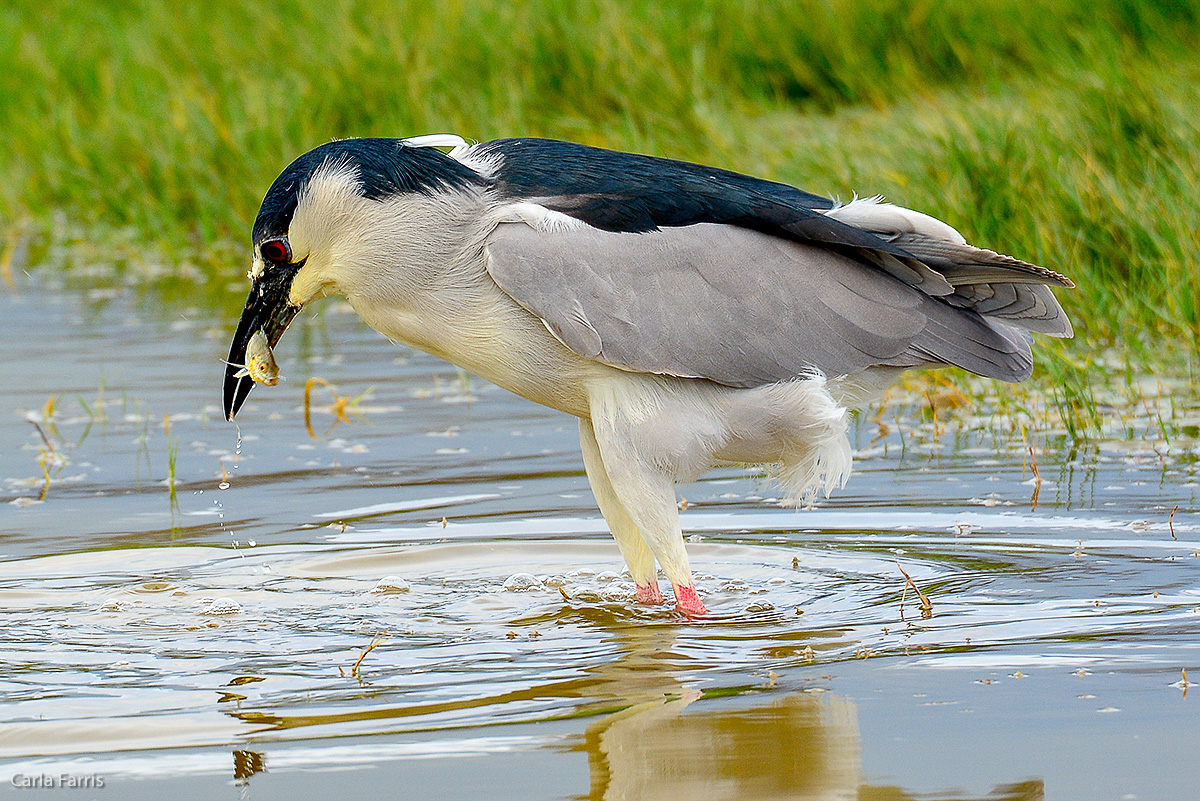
[390, 584]
[219, 606]
[617, 591]
[223, 485]
[521, 582]
[607, 576]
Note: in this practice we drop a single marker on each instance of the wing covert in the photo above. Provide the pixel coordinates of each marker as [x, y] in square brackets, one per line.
[736, 306]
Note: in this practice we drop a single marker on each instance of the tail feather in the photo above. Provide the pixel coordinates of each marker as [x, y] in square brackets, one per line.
[964, 264]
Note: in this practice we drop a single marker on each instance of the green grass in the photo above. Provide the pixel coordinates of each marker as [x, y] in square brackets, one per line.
[140, 136]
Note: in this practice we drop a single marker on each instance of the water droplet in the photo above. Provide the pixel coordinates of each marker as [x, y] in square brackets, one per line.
[223, 485]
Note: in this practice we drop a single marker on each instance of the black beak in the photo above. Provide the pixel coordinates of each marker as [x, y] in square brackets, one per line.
[267, 309]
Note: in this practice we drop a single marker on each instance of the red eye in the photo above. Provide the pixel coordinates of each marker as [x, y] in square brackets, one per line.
[275, 250]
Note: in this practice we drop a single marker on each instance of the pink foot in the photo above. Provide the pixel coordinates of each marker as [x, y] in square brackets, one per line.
[688, 602]
[649, 593]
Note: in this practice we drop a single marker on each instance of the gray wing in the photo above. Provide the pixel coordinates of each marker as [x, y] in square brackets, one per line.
[738, 307]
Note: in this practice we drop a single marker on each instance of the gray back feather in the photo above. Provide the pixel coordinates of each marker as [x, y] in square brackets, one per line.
[744, 308]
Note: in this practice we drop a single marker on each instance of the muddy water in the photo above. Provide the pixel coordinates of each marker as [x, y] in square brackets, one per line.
[422, 600]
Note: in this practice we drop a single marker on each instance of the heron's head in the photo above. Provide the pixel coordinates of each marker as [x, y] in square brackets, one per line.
[334, 214]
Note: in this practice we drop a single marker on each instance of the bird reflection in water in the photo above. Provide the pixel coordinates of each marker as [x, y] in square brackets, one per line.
[798, 747]
[668, 738]
[725, 744]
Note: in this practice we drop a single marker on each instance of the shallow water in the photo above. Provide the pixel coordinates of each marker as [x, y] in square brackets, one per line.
[211, 643]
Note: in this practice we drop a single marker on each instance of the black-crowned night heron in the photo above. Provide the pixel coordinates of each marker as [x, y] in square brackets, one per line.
[686, 315]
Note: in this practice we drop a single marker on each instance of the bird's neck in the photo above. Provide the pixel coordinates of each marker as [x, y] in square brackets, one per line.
[462, 316]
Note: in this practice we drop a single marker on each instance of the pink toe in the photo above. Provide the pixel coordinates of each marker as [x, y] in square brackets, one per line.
[649, 593]
[688, 602]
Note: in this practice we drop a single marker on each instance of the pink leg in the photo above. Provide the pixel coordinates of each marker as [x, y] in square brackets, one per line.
[688, 602]
[649, 593]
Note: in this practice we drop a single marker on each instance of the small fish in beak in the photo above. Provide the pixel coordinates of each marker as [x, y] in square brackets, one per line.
[263, 322]
[260, 361]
